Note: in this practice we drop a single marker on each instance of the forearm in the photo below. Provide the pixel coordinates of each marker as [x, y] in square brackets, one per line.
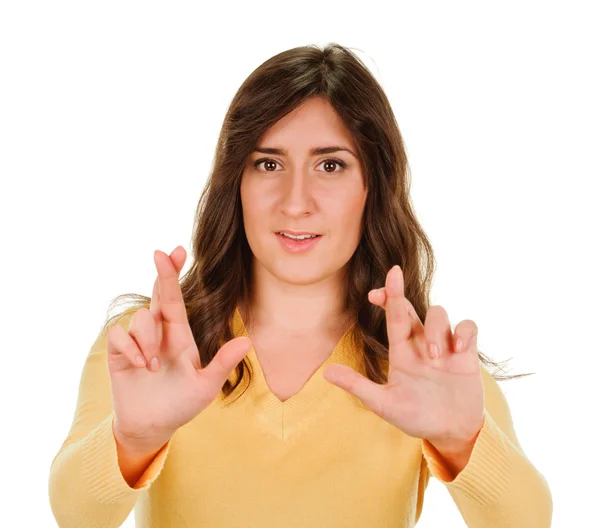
[85, 482]
[134, 459]
[498, 486]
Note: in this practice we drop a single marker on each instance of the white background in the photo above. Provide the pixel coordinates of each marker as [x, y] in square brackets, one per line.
[109, 114]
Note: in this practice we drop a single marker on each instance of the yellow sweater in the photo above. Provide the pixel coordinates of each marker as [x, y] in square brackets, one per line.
[319, 459]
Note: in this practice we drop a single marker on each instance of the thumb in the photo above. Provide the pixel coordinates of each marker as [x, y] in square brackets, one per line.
[226, 359]
[370, 393]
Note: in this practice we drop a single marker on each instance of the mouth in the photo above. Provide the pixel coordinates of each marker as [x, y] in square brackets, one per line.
[296, 246]
[297, 233]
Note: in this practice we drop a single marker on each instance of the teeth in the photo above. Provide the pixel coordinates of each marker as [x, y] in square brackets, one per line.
[300, 237]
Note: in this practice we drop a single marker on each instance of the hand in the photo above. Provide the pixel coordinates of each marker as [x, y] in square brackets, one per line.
[439, 399]
[152, 401]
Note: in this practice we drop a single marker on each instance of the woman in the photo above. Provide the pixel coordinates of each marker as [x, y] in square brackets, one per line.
[297, 382]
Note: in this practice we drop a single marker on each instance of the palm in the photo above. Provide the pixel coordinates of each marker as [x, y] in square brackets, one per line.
[426, 397]
[139, 393]
[421, 395]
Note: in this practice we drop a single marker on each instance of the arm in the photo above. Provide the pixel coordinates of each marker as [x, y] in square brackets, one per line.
[495, 486]
[133, 459]
[91, 475]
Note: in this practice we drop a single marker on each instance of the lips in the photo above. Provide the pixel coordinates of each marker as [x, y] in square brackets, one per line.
[297, 246]
[296, 233]
[311, 236]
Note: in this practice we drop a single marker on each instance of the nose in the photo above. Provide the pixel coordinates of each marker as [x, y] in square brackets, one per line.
[296, 197]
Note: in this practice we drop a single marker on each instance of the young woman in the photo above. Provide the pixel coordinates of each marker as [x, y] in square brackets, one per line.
[293, 381]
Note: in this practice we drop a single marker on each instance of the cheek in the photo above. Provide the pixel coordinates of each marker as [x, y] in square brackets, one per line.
[348, 210]
[251, 204]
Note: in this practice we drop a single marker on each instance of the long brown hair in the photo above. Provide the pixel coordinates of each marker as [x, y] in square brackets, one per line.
[221, 259]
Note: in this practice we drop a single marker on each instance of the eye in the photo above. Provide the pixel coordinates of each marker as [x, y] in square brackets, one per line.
[337, 161]
[263, 160]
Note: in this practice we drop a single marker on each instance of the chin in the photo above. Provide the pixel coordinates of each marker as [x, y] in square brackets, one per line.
[300, 273]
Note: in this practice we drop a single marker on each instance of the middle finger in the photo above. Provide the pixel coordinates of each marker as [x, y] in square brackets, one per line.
[396, 314]
[171, 303]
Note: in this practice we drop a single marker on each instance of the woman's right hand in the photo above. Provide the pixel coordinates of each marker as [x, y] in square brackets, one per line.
[152, 402]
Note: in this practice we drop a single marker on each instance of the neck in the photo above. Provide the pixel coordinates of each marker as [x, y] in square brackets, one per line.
[296, 310]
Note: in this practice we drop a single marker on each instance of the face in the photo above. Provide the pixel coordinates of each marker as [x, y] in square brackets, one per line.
[294, 189]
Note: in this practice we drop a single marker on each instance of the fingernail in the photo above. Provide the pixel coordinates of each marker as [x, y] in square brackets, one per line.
[459, 344]
[154, 363]
[435, 354]
[140, 361]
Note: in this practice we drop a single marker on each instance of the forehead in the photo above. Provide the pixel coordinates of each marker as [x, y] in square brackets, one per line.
[314, 123]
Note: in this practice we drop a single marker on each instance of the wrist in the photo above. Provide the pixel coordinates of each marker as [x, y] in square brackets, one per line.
[457, 443]
[139, 446]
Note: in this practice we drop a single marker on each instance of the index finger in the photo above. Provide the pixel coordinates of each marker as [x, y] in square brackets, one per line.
[399, 324]
[171, 305]
[154, 302]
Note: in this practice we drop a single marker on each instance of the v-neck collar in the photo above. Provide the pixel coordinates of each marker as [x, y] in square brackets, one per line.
[282, 417]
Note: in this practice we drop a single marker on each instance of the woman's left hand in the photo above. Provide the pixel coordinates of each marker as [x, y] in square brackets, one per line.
[438, 398]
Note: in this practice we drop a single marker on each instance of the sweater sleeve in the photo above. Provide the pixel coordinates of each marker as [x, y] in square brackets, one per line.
[86, 486]
[499, 487]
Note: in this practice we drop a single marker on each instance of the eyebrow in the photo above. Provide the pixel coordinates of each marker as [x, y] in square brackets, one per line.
[313, 152]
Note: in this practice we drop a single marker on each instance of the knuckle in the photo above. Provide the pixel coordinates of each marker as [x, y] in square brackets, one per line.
[116, 334]
[131, 350]
[121, 343]
[112, 337]
[396, 316]
[138, 317]
[143, 330]
[468, 326]
[412, 312]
